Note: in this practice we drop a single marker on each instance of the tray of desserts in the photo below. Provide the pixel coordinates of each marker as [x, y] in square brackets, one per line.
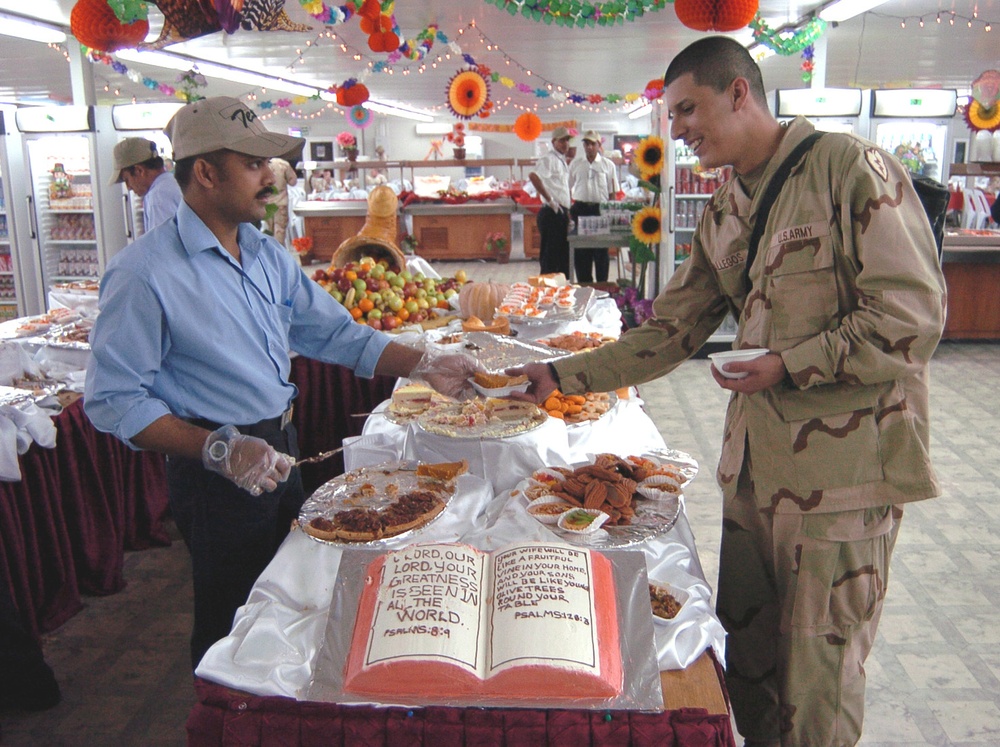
[528, 304]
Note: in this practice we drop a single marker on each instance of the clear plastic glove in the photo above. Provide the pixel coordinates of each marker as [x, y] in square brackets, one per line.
[448, 373]
[250, 462]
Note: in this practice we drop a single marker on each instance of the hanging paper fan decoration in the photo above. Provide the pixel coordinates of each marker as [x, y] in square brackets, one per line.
[352, 93]
[983, 109]
[528, 126]
[95, 25]
[359, 116]
[715, 15]
[468, 92]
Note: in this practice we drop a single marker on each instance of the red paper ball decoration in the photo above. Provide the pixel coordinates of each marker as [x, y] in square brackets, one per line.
[715, 15]
[95, 25]
[528, 126]
[352, 93]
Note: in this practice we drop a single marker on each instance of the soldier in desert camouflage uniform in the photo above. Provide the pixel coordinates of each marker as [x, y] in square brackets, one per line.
[827, 436]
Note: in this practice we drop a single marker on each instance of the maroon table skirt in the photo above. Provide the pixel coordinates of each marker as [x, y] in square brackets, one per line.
[329, 398]
[228, 717]
[64, 528]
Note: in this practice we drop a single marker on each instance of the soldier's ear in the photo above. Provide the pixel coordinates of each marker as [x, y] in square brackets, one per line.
[739, 92]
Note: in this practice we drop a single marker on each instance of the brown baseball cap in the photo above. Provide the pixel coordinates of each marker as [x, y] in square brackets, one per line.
[225, 123]
[592, 136]
[129, 152]
[561, 132]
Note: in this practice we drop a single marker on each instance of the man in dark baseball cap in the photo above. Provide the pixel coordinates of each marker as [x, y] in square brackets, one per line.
[198, 318]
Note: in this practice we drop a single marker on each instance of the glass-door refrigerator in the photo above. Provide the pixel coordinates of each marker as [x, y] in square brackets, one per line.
[19, 294]
[912, 124]
[828, 109]
[148, 121]
[75, 224]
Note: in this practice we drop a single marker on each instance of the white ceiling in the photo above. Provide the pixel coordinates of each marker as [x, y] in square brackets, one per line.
[871, 50]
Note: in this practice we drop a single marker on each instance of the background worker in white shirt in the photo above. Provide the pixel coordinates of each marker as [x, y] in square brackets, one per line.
[593, 180]
[551, 179]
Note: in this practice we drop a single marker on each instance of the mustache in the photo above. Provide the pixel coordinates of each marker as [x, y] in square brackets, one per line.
[267, 192]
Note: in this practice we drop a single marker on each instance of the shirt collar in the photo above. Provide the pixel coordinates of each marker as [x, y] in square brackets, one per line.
[196, 237]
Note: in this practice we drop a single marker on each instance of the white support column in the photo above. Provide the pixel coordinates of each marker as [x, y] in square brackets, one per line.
[819, 63]
[81, 75]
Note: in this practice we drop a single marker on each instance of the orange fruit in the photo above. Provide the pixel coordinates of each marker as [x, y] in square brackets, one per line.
[356, 312]
[366, 305]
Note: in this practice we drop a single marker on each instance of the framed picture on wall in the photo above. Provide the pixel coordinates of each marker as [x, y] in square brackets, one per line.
[321, 151]
[961, 151]
[627, 144]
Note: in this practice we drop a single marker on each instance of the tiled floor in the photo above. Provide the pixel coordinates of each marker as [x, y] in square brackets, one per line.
[934, 675]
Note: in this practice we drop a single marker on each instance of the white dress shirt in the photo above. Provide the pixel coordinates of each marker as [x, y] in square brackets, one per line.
[593, 181]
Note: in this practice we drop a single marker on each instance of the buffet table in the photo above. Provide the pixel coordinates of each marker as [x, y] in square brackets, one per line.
[263, 684]
[331, 222]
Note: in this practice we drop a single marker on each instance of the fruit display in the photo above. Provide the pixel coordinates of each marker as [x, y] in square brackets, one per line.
[379, 295]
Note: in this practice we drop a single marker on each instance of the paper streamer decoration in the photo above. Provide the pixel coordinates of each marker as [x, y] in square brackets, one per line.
[359, 116]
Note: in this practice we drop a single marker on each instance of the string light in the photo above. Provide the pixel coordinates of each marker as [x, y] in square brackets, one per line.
[952, 16]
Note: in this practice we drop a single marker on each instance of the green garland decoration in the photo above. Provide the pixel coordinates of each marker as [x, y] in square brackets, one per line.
[576, 13]
[129, 11]
[787, 43]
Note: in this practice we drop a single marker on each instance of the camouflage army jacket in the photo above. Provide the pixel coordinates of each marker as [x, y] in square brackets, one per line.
[847, 287]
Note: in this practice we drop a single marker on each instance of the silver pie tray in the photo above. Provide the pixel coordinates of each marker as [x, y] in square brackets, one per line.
[431, 422]
[652, 517]
[343, 492]
[499, 352]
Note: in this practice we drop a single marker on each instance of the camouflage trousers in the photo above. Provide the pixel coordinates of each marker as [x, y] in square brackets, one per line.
[800, 596]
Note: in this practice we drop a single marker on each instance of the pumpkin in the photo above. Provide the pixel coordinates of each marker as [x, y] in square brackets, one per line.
[480, 299]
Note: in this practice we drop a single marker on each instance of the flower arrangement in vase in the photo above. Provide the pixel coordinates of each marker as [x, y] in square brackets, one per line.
[457, 138]
[348, 145]
[498, 244]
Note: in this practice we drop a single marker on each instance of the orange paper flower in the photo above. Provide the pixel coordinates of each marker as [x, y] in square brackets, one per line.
[528, 126]
[468, 92]
[715, 15]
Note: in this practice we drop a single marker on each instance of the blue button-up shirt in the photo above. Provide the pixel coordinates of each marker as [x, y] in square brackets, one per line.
[160, 203]
[186, 330]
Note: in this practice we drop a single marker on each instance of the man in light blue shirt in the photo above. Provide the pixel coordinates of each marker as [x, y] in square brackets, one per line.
[140, 166]
[197, 320]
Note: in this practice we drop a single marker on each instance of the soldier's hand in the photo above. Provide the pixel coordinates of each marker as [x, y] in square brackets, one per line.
[542, 382]
[762, 373]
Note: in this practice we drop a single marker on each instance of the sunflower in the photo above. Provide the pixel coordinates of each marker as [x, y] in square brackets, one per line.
[649, 156]
[978, 117]
[468, 91]
[646, 225]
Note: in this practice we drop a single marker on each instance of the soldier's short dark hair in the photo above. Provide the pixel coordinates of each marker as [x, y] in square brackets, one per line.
[716, 61]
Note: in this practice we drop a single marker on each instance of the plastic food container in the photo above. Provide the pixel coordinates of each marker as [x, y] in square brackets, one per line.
[733, 356]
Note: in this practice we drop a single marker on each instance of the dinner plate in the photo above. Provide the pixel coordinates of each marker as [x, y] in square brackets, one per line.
[374, 487]
[652, 517]
[478, 419]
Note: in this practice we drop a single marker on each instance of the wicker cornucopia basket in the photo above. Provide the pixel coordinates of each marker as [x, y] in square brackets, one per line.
[377, 238]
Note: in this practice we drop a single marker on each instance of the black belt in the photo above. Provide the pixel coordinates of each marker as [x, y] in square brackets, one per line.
[259, 429]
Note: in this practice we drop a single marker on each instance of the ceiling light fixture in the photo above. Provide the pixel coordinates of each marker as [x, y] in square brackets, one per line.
[841, 10]
[642, 111]
[396, 110]
[25, 29]
[215, 70]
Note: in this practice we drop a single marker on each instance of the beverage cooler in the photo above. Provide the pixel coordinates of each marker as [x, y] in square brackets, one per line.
[18, 289]
[148, 121]
[828, 109]
[75, 222]
[912, 124]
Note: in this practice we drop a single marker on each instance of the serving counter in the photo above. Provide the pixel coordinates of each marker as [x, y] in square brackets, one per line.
[970, 260]
[459, 232]
[331, 222]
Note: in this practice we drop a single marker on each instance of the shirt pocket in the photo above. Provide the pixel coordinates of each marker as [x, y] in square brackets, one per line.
[834, 436]
[802, 288]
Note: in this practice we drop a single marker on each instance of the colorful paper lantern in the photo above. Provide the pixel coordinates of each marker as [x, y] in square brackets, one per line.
[528, 126]
[352, 93]
[715, 15]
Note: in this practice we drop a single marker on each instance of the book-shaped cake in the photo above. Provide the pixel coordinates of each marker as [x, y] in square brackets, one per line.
[440, 621]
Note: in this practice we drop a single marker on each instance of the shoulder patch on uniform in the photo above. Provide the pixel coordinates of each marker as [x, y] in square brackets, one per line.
[876, 161]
